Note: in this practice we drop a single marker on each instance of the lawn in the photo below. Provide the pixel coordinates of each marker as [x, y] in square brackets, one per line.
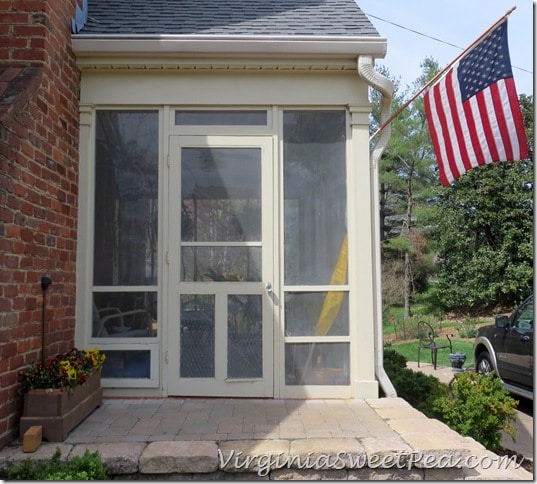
[409, 350]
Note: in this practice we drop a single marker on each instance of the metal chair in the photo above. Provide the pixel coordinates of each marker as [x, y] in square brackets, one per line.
[427, 342]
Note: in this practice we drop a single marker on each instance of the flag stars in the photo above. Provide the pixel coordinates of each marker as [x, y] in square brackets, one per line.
[485, 64]
[457, 128]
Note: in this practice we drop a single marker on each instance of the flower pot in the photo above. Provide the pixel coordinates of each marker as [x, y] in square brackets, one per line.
[59, 411]
[457, 360]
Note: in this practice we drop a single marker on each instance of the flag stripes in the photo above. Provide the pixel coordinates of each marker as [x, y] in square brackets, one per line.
[473, 111]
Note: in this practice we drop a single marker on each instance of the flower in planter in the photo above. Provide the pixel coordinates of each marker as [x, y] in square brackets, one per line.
[66, 370]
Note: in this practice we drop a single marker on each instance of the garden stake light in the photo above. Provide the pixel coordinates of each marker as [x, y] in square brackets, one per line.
[45, 283]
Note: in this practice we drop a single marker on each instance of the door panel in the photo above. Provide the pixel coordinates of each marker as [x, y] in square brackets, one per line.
[221, 239]
[515, 352]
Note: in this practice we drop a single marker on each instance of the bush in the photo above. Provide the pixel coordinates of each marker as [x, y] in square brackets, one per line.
[408, 329]
[478, 407]
[418, 389]
[88, 467]
[468, 328]
[393, 361]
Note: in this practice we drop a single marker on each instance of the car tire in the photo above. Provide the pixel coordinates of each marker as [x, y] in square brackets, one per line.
[484, 364]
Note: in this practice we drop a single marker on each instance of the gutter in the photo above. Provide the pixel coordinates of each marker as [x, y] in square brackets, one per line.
[125, 44]
[386, 87]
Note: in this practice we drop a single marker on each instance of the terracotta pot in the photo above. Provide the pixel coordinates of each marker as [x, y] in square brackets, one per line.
[59, 411]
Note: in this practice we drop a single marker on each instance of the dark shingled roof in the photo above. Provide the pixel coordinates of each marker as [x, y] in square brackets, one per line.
[228, 17]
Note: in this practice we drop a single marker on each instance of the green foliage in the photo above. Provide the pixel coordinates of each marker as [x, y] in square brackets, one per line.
[88, 467]
[409, 328]
[468, 328]
[393, 361]
[66, 370]
[467, 332]
[469, 246]
[484, 232]
[418, 389]
[406, 175]
[478, 407]
[526, 106]
[398, 244]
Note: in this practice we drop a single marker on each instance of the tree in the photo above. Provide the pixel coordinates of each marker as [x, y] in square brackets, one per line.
[480, 229]
[406, 175]
[484, 231]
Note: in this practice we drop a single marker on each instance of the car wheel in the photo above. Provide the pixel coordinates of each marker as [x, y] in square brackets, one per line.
[484, 364]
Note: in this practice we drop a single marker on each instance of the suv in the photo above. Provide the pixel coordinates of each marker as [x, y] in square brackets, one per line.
[506, 347]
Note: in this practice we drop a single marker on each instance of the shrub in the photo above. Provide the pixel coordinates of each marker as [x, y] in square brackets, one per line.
[408, 329]
[393, 361]
[478, 407]
[418, 389]
[468, 328]
[88, 467]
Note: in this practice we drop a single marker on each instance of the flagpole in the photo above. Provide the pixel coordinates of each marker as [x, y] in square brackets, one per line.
[439, 74]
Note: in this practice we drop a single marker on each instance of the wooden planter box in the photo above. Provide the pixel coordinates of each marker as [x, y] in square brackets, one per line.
[59, 411]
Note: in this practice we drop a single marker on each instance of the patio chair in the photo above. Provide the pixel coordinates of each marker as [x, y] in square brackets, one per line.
[112, 322]
[427, 342]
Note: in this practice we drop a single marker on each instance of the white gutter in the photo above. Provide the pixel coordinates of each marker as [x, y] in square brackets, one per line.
[386, 87]
[118, 44]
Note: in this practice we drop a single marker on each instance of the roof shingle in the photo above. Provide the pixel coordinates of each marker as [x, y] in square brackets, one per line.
[231, 17]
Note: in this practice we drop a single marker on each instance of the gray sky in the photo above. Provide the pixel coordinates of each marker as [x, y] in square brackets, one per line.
[457, 22]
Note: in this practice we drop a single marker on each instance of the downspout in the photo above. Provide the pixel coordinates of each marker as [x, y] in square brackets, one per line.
[385, 87]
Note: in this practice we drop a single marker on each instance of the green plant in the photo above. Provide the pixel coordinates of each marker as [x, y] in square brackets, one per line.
[418, 389]
[66, 370]
[87, 467]
[393, 361]
[478, 407]
[468, 328]
[408, 329]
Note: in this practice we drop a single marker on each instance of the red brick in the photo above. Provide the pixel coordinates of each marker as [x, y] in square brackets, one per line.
[31, 5]
[38, 187]
[31, 439]
[28, 31]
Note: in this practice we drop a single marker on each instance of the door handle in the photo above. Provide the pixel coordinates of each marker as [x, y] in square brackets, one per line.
[268, 287]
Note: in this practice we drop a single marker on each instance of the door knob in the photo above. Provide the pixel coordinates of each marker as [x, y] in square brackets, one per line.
[269, 287]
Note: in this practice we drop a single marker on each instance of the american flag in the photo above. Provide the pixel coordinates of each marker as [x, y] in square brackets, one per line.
[473, 111]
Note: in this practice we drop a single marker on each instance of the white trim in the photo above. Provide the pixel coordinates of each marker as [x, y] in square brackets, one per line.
[154, 362]
[220, 384]
[84, 253]
[362, 384]
[228, 44]
[386, 88]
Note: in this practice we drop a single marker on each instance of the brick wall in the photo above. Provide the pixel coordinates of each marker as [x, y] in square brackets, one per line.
[39, 92]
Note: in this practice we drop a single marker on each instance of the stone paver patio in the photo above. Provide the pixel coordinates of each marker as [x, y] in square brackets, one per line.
[225, 438]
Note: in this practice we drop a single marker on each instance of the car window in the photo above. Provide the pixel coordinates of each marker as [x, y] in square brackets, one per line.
[524, 317]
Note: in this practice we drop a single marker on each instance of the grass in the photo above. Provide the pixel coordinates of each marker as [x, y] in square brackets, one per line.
[396, 313]
[462, 343]
[410, 351]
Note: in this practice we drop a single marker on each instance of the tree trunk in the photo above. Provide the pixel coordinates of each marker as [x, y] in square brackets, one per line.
[408, 262]
[408, 286]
